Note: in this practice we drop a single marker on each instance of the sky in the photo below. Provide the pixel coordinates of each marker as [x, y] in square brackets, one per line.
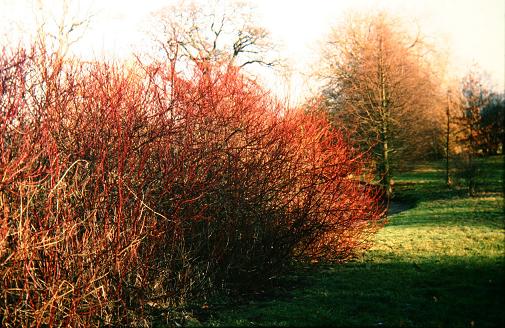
[472, 32]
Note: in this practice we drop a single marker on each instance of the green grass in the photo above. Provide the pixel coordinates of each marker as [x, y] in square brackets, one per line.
[439, 262]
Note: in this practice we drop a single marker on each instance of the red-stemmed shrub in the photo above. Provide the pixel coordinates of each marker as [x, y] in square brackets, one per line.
[126, 190]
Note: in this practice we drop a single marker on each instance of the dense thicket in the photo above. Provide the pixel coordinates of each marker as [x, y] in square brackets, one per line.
[129, 188]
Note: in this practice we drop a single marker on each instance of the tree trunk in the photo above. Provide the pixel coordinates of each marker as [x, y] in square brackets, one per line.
[471, 165]
[385, 174]
[447, 146]
[385, 167]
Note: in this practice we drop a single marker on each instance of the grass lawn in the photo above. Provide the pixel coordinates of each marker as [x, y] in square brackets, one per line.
[438, 262]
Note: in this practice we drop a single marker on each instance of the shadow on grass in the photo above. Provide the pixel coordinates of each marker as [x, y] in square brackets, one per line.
[457, 213]
[436, 292]
[426, 182]
[427, 190]
[448, 292]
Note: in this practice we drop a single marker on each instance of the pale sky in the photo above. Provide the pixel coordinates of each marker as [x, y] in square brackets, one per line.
[473, 31]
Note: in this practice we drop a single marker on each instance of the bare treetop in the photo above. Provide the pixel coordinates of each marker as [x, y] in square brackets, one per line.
[378, 84]
[212, 32]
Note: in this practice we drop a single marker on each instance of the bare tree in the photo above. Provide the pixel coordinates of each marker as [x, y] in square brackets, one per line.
[217, 31]
[60, 26]
[475, 96]
[379, 85]
[493, 124]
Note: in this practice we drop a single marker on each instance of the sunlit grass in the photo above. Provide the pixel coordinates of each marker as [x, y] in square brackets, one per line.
[438, 263]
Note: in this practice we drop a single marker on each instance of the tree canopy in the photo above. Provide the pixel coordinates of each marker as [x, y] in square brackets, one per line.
[379, 85]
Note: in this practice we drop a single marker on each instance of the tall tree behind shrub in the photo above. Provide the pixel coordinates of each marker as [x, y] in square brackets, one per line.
[380, 84]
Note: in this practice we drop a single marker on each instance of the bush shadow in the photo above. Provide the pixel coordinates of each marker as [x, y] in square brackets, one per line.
[442, 292]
